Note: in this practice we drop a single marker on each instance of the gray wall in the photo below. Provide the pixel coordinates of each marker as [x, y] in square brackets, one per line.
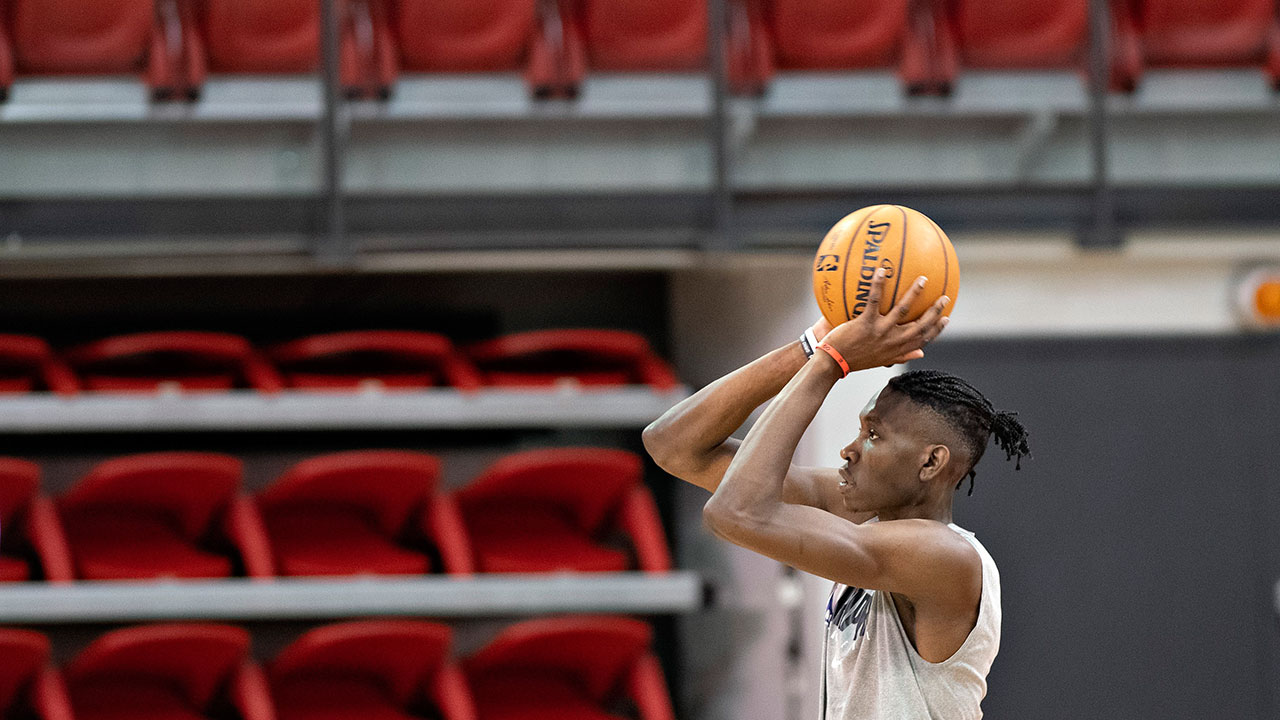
[1138, 548]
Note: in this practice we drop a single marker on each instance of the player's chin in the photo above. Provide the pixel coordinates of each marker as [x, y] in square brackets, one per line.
[849, 496]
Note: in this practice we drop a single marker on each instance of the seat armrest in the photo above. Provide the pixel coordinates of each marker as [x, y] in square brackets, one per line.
[452, 695]
[251, 695]
[44, 529]
[49, 696]
[442, 523]
[648, 689]
[639, 518]
[244, 526]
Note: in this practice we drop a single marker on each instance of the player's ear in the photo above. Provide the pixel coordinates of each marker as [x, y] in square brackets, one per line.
[935, 461]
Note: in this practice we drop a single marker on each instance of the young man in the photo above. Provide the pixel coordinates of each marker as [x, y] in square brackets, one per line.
[913, 622]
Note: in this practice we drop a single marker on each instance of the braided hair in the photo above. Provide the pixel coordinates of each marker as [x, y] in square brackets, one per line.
[969, 412]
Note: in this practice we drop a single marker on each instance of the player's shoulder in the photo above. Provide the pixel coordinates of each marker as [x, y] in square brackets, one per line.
[947, 566]
[940, 542]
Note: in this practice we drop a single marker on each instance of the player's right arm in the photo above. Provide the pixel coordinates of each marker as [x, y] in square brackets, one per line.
[692, 440]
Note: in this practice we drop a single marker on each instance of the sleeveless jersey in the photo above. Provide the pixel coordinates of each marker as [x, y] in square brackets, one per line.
[871, 671]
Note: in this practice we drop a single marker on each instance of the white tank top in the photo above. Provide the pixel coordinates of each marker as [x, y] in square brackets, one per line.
[871, 671]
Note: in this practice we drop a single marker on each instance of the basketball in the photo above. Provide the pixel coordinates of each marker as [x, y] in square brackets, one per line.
[906, 243]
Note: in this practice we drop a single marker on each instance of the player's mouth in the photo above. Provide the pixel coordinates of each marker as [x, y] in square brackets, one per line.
[845, 479]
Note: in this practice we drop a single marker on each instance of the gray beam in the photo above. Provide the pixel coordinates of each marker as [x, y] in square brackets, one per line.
[439, 408]
[331, 247]
[723, 234]
[299, 598]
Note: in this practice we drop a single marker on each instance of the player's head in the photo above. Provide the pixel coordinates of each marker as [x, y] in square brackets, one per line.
[923, 434]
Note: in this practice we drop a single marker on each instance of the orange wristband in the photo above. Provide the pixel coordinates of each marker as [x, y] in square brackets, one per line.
[835, 355]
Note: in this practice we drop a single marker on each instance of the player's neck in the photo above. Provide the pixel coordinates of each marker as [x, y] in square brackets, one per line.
[929, 509]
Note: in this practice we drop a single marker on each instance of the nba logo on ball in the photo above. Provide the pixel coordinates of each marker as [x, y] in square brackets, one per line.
[906, 243]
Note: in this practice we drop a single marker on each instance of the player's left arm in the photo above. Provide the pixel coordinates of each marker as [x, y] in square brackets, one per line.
[912, 557]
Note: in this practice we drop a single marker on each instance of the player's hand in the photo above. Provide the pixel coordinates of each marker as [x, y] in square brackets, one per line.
[880, 335]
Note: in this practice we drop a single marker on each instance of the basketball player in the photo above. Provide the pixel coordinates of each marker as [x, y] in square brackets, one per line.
[913, 622]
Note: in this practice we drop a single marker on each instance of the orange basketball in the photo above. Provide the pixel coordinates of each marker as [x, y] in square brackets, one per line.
[906, 243]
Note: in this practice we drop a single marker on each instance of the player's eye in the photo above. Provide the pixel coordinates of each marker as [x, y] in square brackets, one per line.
[872, 434]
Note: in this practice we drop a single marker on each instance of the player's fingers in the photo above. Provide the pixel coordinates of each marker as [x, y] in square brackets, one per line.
[903, 306]
[874, 295]
[906, 357]
[931, 316]
[935, 330]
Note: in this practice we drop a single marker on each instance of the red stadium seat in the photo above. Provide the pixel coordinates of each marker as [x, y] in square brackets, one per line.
[27, 364]
[643, 35]
[178, 671]
[191, 361]
[32, 544]
[463, 37]
[442, 36]
[372, 670]
[390, 359]
[106, 37]
[569, 668]
[589, 357]
[838, 35]
[163, 515]
[558, 509]
[363, 512]
[1201, 33]
[999, 34]
[283, 36]
[659, 36]
[29, 686]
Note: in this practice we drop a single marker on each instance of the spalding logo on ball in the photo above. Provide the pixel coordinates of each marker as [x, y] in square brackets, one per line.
[906, 243]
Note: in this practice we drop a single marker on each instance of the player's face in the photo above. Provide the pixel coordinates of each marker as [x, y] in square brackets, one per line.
[882, 467]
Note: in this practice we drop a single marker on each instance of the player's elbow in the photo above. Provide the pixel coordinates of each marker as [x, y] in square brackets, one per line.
[724, 519]
[716, 517]
[663, 448]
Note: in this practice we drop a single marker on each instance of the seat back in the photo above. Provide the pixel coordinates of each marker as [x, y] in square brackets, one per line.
[19, 481]
[189, 487]
[399, 656]
[836, 34]
[463, 36]
[1204, 32]
[644, 35]
[388, 485]
[265, 36]
[195, 658]
[72, 36]
[23, 654]
[390, 355]
[589, 482]
[596, 652]
[593, 356]
[1019, 34]
[201, 360]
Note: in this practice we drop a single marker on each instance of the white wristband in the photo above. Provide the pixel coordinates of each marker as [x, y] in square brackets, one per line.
[808, 342]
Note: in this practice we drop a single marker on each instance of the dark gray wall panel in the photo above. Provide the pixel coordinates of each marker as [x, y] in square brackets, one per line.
[1137, 549]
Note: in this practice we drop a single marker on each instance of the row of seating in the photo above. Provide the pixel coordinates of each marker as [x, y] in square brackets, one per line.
[176, 43]
[203, 361]
[568, 668]
[183, 515]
